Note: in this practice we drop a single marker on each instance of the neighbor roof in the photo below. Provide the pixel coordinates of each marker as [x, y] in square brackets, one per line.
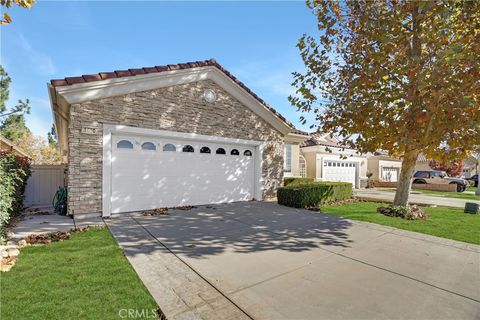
[157, 69]
[6, 144]
[322, 139]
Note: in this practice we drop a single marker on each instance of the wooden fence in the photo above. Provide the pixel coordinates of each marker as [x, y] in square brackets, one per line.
[43, 183]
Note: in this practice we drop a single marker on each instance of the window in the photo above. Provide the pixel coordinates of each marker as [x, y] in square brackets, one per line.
[247, 153]
[188, 148]
[234, 152]
[124, 144]
[220, 151]
[205, 150]
[169, 147]
[148, 146]
[287, 158]
[421, 174]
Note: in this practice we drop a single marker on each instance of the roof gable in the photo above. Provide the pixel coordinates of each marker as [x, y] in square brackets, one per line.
[70, 90]
[107, 84]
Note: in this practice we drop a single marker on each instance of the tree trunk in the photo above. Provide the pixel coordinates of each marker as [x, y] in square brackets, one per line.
[406, 174]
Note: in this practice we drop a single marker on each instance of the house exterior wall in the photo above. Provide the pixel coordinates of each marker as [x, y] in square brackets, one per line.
[422, 165]
[375, 165]
[177, 108]
[295, 165]
[315, 156]
[310, 159]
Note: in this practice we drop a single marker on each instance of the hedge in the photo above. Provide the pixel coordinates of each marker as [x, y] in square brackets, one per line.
[313, 194]
[14, 172]
[290, 180]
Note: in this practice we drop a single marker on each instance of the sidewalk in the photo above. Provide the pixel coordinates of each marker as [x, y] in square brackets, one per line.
[379, 194]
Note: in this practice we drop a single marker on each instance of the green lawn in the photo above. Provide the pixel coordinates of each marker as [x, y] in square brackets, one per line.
[85, 277]
[443, 222]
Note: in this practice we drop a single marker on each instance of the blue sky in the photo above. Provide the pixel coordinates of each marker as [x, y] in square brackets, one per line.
[253, 40]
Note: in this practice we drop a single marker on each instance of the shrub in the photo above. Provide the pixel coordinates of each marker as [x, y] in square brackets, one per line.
[290, 180]
[14, 172]
[408, 213]
[313, 194]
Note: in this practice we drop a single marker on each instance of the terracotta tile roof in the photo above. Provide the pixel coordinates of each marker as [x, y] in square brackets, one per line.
[133, 72]
[297, 131]
[322, 139]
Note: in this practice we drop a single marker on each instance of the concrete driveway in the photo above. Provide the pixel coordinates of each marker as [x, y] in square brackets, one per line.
[264, 261]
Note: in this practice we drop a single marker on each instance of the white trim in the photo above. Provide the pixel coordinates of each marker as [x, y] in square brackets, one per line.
[295, 138]
[109, 130]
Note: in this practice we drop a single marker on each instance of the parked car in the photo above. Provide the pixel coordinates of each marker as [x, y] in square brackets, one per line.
[474, 178]
[438, 177]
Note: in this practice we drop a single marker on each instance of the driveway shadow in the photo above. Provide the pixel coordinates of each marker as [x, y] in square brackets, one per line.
[240, 227]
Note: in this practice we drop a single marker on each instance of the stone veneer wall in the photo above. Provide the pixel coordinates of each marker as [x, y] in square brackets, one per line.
[178, 108]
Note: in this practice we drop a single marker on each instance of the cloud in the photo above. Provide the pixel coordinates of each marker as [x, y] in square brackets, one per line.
[42, 62]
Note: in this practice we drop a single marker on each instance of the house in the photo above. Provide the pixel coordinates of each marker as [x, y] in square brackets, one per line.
[422, 163]
[384, 167]
[327, 160]
[164, 136]
[7, 145]
[470, 165]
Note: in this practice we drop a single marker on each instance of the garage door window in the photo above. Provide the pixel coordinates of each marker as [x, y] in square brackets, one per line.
[220, 151]
[188, 148]
[148, 146]
[247, 153]
[124, 144]
[205, 150]
[234, 152]
[169, 147]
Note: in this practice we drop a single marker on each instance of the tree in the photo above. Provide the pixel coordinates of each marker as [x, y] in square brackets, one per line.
[453, 168]
[396, 75]
[27, 4]
[14, 127]
[12, 122]
[52, 136]
[39, 150]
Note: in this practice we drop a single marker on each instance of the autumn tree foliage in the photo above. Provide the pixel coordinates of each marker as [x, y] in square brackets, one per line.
[6, 4]
[453, 168]
[396, 75]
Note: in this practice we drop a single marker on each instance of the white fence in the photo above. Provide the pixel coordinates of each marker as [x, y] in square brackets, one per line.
[43, 183]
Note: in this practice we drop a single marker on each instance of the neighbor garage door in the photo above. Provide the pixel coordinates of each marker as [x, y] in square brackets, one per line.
[337, 170]
[152, 173]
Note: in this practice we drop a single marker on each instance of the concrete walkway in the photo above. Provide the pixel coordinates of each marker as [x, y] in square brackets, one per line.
[265, 261]
[414, 198]
[30, 224]
[45, 223]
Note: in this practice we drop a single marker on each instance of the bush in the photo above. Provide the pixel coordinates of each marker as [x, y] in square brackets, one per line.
[313, 194]
[14, 172]
[408, 213]
[290, 180]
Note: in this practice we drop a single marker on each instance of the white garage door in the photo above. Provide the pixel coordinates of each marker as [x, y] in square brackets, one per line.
[338, 170]
[390, 174]
[150, 173]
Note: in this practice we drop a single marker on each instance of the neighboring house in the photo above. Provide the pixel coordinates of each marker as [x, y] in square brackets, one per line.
[8, 145]
[327, 160]
[470, 165]
[184, 134]
[384, 167]
[422, 163]
[295, 164]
